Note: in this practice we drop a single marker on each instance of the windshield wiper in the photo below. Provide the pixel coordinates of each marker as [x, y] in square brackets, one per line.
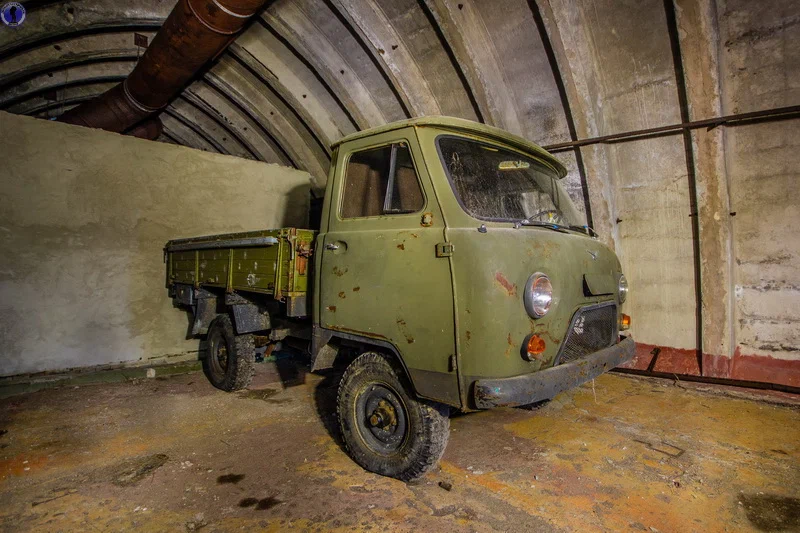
[550, 225]
[584, 229]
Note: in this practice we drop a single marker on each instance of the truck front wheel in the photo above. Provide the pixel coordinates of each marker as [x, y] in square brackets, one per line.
[230, 358]
[385, 429]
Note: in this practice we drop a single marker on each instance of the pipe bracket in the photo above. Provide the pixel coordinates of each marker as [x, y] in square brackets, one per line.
[209, 25]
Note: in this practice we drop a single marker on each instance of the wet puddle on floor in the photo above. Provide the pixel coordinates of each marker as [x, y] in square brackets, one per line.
[265, 395]
[769, 512]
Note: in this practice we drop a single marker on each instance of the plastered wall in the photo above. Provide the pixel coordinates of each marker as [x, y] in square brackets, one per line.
[84, 215]
[720, 299]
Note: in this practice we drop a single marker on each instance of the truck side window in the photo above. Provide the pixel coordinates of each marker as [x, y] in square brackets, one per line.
[381, 181]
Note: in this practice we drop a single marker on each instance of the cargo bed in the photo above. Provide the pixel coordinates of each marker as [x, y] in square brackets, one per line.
[274, 262]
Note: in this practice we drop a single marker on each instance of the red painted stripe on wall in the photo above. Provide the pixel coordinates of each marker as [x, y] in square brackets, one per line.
[743, 367]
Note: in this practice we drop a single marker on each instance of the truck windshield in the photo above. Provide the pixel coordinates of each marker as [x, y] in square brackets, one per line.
[493, 183]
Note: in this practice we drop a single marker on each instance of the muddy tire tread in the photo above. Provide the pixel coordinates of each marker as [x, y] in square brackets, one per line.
[241, 359]
[431, 435]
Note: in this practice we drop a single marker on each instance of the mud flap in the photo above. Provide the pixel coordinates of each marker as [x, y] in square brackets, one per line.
[322, 354]
[204, 313]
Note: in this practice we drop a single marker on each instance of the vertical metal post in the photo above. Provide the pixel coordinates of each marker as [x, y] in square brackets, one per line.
[683, 103]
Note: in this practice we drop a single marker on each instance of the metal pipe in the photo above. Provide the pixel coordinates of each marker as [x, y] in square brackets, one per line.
[149, 128]
[767, 115]
[195, 32]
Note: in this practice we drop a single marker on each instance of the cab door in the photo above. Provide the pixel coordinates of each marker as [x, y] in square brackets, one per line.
[381, 277]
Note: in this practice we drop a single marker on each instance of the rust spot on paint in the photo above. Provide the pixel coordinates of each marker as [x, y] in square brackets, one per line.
[415, 235]
[401, 246]
[510, 345]
[342, 295]
[509, 287]
[544, 332]
[356, 331]
[469, 335]
[332, 308]
[402, 325]
[339, 271]
[356, 289]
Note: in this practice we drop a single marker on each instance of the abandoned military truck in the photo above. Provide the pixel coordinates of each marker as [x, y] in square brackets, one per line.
[450, 271]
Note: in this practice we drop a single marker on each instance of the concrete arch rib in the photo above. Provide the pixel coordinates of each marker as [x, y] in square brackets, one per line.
[265, 107]
[198, 130]
[56, 21]
[29, 66]
[47, 81]
[474, 49]
[66, 96]
[183, 132]
[296, 28]
[238, 145]
[18, 105]
[388, 49]
[299, 87]
[237, 118]
[211, 127]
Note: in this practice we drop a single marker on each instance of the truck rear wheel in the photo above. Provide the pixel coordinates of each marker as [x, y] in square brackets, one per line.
[230, 359]
[385, 429]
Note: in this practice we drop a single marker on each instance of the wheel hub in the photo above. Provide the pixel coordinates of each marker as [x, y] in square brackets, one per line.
[222, 355]
[382, 419]
[384, 416]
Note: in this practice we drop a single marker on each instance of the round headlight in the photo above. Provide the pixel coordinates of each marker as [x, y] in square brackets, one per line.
[538, 295]
[623, 288]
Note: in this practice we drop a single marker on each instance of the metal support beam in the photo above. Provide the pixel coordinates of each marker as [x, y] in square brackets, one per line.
[739, 119]
[562, 92]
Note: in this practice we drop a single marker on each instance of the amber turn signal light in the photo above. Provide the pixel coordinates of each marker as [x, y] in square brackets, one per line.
[624, 322]
[534, 347]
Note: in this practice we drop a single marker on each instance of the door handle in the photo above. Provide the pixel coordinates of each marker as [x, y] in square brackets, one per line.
[331, 246]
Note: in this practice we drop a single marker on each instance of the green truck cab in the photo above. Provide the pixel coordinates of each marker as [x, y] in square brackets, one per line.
[451, 271]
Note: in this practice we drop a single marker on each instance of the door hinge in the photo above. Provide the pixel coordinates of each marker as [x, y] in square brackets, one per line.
[444, 249]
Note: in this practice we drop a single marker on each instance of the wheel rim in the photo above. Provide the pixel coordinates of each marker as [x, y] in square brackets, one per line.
[381, 418]
[218, 355]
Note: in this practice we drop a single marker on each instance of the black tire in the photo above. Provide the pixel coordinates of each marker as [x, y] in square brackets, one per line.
[230, 358]
[385, 429]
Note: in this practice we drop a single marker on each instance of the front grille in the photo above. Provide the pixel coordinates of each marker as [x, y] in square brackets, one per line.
[592, 329]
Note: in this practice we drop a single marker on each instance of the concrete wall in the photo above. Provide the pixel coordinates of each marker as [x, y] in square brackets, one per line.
[760, 62]
[620, 74]
[84, 215]
[737, 56]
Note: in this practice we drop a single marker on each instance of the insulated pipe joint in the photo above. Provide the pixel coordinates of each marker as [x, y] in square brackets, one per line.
[195, 32]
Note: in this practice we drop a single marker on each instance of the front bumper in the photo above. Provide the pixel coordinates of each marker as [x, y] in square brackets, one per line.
[545, 384]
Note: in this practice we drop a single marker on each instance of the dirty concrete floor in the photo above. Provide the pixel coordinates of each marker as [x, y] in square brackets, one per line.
[175, 454]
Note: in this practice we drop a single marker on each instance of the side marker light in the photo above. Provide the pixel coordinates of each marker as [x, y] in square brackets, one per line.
[535, 346]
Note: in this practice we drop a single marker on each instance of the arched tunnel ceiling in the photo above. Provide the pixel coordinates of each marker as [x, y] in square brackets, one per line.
[307, 72]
